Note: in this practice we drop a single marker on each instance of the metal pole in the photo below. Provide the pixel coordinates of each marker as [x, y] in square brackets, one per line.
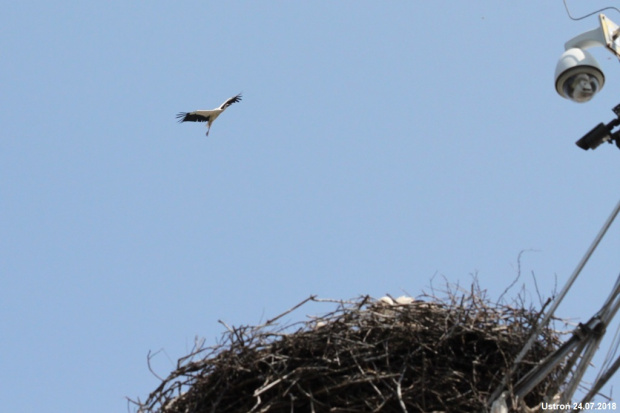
[570, 282]
[556, 302]
[612, 308]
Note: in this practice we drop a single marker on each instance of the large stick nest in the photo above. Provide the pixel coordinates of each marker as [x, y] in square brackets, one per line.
[368, 355]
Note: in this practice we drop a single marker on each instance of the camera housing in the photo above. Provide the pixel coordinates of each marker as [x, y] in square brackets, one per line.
[602, 133]
[591, 140]
[578, 76]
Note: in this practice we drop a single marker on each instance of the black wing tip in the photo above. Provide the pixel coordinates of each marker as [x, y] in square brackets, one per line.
[192, 117]
[235, 99]
[230, 101]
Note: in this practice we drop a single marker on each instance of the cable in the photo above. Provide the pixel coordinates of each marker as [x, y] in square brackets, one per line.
[611, 354]
[590, 14]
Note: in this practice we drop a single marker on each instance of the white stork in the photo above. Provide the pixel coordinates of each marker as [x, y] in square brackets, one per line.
[207, 115]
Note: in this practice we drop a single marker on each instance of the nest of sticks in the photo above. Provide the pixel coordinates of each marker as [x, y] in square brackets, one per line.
[407, 355]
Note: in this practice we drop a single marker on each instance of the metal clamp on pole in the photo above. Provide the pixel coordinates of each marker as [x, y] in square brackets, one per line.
[592, 330]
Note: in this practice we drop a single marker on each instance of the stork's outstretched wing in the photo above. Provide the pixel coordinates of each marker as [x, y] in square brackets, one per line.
[230, 101]
[192, 117]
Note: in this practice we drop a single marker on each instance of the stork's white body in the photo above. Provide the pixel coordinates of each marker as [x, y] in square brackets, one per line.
[207, 115]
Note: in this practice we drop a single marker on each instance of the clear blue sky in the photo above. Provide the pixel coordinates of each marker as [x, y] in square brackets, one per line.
[378, 144]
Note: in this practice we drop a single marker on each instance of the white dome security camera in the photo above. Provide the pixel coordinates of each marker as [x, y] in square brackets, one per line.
[578, 76]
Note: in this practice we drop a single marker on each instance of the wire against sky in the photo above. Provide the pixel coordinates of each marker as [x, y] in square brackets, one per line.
[590, 14]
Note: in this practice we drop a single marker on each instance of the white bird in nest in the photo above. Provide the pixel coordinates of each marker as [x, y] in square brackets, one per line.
[404, 300]
[385, 301]
[207, 115]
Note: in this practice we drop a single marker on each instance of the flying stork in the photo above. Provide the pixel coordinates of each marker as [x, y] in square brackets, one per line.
[207, 115]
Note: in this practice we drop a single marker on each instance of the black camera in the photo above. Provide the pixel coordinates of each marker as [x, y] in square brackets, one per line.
[602, 133]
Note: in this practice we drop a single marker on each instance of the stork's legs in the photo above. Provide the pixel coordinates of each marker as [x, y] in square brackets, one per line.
[208, 128]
